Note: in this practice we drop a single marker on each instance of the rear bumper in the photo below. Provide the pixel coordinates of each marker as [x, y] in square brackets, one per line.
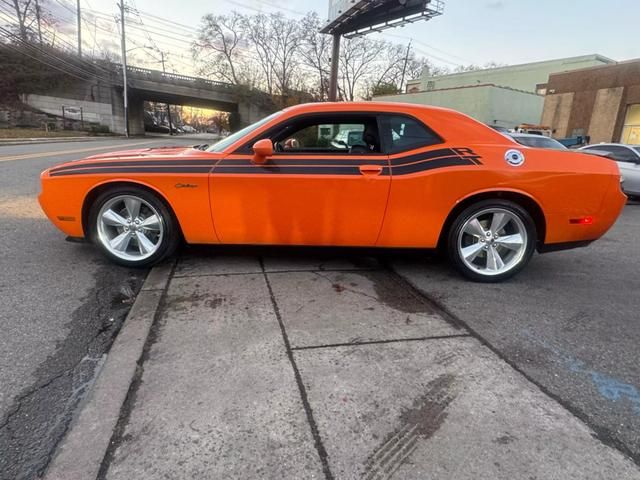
[563, 234]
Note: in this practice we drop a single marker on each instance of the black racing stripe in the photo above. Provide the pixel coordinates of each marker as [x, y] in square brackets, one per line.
[441, 152]
[135, 163]
[294, 162]
[291, 170]
[150, 169]
[430, 165]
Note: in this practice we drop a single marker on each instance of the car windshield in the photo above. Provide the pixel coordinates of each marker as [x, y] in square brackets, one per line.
[540, 142]
[231, 139]
[637, 149]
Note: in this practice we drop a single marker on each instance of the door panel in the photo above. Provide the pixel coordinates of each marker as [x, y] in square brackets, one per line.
[300, 199]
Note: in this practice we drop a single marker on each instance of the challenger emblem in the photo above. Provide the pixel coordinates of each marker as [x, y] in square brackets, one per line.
[186, 185]
[514, 157]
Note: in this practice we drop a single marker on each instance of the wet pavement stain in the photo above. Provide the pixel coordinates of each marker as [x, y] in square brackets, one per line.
[393, 295]
[420, 421]
[505, 439]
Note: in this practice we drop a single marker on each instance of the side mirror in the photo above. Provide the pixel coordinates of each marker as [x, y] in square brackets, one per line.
[262, 150]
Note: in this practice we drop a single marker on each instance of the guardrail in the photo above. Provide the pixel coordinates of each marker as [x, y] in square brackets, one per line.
[176, 78]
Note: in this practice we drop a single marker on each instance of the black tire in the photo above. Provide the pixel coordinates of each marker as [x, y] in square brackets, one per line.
[171, 234]
[454, 233]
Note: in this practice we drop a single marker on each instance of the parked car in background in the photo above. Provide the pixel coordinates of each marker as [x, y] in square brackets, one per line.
[188, 129]
[628, 159]
[536, 141]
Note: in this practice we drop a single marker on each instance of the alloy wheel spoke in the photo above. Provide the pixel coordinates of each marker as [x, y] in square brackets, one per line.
[133, 207]
[144, 244]
[475, 228]
[121, 242]
[498, 222]
[512, 242]
[471, 252]
[151, 223]
[494, 260]
[113, 219]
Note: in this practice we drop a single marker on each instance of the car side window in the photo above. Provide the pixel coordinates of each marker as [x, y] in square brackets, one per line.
[621, 154]
[339, 135]
[404, 133]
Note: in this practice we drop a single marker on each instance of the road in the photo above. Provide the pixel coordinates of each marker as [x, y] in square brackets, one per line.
[61, 307]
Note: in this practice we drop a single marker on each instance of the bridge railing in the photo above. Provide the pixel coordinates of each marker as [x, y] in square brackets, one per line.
[176, 78]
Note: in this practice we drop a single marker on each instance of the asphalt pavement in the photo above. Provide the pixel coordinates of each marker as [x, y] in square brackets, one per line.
[61, 306]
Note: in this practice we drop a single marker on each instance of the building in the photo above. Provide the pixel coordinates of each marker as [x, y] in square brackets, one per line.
[501, 96]
[602, 102]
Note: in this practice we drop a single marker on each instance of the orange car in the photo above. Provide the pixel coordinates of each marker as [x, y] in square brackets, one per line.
[343, 174]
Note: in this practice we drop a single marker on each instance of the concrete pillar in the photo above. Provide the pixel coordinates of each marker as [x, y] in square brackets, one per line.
[604, 114]
[136, 113]
[556, 113]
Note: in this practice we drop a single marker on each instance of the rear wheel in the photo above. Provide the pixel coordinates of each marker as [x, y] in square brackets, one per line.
[133, 227]
[491, 240]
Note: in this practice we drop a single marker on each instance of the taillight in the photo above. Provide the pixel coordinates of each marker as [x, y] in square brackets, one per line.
[581, 221]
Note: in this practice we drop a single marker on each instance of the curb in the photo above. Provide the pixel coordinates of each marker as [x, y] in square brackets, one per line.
[32, 141]
[80, 453]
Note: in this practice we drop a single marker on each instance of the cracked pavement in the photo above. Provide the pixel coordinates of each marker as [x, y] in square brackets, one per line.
[308, 365]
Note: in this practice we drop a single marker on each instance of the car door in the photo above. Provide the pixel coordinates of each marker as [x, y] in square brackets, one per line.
[316, 188]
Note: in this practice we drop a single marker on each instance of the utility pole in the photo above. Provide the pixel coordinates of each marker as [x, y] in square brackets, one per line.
[333, 79]
[168, 106]
[79, 30]
[124, 69]
[404, 67]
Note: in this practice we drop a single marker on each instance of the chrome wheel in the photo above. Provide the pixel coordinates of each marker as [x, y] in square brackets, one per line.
[130, 228]
[492, 241]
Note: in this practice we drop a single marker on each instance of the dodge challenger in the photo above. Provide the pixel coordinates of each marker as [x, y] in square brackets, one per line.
[342, 174]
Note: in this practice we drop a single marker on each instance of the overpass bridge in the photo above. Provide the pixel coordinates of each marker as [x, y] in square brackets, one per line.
[102, 101]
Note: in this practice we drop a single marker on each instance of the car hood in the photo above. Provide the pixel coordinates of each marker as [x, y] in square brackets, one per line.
[146, 152]
[142, 155]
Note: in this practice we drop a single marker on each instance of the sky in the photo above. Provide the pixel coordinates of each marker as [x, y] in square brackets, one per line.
[469, 31]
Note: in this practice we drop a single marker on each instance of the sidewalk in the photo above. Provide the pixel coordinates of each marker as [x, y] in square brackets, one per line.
[293, 367]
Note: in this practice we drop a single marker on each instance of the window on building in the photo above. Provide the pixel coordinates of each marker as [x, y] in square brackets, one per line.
[631, 128]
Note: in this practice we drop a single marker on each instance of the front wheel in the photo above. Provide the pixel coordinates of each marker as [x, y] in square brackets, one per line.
[491, 240]
[133, 227]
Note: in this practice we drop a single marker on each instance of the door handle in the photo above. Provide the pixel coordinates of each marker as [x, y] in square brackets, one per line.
[370, 169]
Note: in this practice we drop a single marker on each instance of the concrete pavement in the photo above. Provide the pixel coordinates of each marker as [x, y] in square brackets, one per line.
[569, 322]
[277, 366]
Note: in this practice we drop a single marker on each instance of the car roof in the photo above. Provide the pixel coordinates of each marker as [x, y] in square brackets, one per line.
[368, 106]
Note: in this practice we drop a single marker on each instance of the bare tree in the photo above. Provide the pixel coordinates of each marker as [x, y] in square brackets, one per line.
[219, 45]
[358, 60]
[258, 31]
[315, 53]
[287, 37]
[25, 11]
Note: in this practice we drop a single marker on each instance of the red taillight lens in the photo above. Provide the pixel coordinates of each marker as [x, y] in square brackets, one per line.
[581, 221]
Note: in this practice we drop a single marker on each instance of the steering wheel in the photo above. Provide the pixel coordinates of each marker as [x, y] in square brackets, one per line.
[279, 147]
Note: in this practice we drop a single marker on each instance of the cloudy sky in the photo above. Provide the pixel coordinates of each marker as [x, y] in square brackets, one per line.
[470, 31]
